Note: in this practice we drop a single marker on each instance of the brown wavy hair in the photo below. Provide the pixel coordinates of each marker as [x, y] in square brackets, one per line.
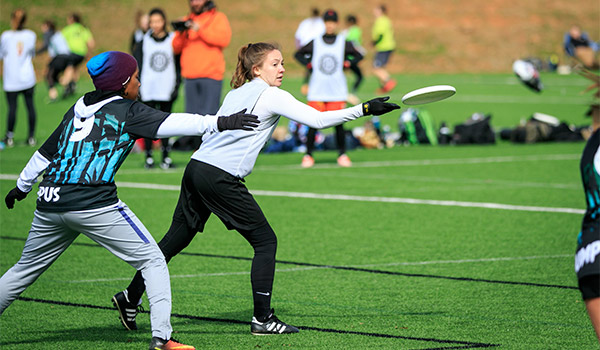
[250, 56]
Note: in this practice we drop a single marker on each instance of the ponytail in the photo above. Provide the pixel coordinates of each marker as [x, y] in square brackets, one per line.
[250, 56]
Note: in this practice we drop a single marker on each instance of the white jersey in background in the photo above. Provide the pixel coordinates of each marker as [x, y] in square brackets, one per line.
[158, 76]
[236, 151]
[58, 45]
[17, 48]
[308, 30]
[327, 82]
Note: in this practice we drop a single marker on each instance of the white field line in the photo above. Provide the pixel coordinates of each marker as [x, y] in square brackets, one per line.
[463, 261]
[418, 201]
[393, 163]
[425, 162]
[428, 179]
[413, 263]
[308, 195]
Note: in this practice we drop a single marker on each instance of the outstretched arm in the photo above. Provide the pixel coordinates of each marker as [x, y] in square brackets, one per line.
[280, 102]
[186, 124]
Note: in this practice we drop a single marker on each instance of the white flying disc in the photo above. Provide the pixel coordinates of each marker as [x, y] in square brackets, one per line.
[428, 94]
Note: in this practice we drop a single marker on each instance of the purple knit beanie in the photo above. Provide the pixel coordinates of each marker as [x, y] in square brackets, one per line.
[111, 70]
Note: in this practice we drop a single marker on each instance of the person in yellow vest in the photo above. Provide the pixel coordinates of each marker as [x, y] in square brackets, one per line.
[384, 43]
[81, 42]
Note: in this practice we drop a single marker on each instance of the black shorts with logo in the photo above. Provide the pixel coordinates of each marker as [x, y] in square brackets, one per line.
[206, 189]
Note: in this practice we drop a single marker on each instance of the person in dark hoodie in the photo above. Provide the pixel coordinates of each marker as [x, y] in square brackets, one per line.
[78, 193]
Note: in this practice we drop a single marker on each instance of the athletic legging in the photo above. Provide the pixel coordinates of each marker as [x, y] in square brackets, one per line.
[11, 98]
[340, 138]
[359, 77]
[262, 239]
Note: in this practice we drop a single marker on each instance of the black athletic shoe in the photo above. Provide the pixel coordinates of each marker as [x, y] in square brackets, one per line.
[271, 326]
[171, 344]
[127, 311]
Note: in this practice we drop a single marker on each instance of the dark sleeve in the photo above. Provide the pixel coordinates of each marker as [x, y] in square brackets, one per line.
[45, 45]
[304, 54]
[143, 121]
[138, 54]
[379, 38]
[50, 146]
[351, 53]
[132, 44]
[175, 93]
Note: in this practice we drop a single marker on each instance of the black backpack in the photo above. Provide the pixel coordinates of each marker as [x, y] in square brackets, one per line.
[475, 130]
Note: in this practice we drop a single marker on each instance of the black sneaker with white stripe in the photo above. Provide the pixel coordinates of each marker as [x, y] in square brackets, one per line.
[271, 326]
[127, 311]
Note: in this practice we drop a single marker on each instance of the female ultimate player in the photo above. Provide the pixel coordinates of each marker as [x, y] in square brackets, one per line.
[78, 192]
[213, 179]
[160, 76]
[17, 48]
[327, 87]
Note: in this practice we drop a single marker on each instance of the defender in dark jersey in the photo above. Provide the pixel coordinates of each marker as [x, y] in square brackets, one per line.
[78, 192]
[587, 256]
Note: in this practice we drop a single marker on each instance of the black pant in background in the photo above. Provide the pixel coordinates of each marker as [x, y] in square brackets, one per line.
[340, 138]
[11, 98]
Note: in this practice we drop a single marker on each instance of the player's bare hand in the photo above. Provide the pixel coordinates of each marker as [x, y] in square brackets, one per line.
[14, 194]
[238, 121]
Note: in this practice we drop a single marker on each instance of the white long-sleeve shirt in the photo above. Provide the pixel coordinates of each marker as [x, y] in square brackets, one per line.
[17, 48]
[235, 152]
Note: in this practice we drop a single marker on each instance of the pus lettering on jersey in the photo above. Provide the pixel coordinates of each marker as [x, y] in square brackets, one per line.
[587, 255]
[48, 194]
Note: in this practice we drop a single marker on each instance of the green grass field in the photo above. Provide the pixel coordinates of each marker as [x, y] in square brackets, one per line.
[412, 248]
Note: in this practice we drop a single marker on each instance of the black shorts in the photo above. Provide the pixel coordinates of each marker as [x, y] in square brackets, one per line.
[56, 66]
[59, 63]
[75, 59]
[206, 189]
[590, 287]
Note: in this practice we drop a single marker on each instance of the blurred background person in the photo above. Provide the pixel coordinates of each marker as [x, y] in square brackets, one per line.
[383, 40]
[58, 50]
[327, 87]
[17, 48]
[159, 76]
[81, 43]
[578, 45]
[309, 29]
[353, 33]
[200, 43]
[141, 27]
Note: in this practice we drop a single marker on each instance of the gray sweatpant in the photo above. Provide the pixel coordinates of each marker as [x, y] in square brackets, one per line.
[202, 95]
[117, 229]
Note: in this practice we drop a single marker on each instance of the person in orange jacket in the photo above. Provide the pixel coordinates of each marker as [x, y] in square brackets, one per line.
[200, 39]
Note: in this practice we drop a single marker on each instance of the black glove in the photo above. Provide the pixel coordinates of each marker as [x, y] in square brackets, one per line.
[239, 120]
[378, 106]
[15, 193]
